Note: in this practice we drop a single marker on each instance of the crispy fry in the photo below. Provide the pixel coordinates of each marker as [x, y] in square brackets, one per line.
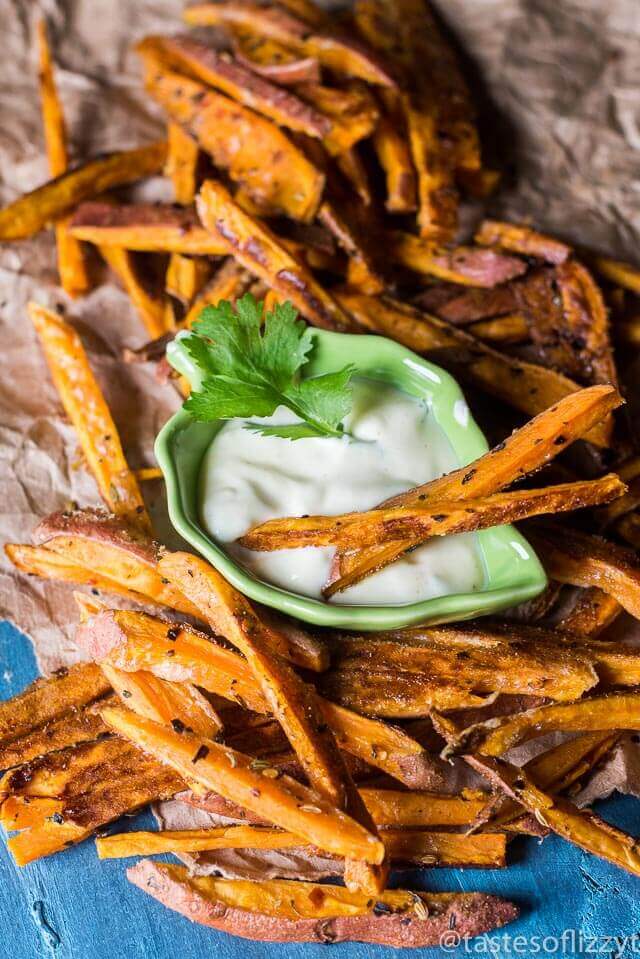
[259, 251]
[288, 911]
[438, 518]
[283, 801]
[587, 323]
[465, 265]
[285, 181]
[421, 810]
[236, 81]
[414, 847]
[121, 846]
[622, 274]
[593, 611]
[390, 142]
[293, 702]
[34, 211]
[42, 562]
[47, 701]
[581, 559]
[525, 386]
[508, 329]
[179, 704]
[522, 239]
[186, 276]
[231, 615]
[86, 786]
[72, 267]
[435, 100]
[149, 305]
[113, 552]
[145, 227]
[271, 60]
[351, 111]
[290, 699]
[601, 713]
[332, 51]
[525, 451]
[581, 827]
[183, 157]
[132, 641]
[470, 304]
[85, 406]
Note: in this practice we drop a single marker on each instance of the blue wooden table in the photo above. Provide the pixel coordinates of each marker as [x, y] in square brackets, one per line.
[72, 906]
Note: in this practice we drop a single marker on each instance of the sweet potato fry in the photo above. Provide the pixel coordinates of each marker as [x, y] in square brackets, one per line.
[333, 51]
[390, 142]
[599, 713]
[149, 305]
[183, 157]
[420, 810]
[85, 406]
[351, 111]
[113, 552]
[508, 329]
[622, 274]
[522, 239]
[465, 265]
[146, 227]
[42, 562]
[436, 103]
[283, 801]
[288, 911]
[186, 276]
[290, 699]
[272, 61]
[63, 796]
[438, 518]
[284, 182]
[132, 641]
[470, 304]
[415, 847]
[586, 323]
[35, 714]
[222, 72]
[581, 827]
[593, 611]
[293, 702]
[511, 660]
[179, 704]
[581, 559]
[124, 845]
[525, 451]
[259, 251]
[34, 211]
[72, 268]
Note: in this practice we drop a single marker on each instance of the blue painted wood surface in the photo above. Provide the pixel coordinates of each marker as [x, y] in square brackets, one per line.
[71, 906]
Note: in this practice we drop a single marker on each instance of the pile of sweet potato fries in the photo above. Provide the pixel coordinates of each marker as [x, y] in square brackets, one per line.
[322, 160]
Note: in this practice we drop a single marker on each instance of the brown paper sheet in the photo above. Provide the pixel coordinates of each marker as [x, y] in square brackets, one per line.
[560, 104]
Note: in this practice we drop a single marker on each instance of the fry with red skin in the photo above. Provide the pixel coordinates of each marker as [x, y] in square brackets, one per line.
[144, 227]
[522, 239]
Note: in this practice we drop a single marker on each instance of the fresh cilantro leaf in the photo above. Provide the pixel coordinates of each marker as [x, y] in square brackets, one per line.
[250, 369]
[289, 431]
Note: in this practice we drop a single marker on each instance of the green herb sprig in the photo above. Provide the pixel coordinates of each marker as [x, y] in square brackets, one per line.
[251, 367]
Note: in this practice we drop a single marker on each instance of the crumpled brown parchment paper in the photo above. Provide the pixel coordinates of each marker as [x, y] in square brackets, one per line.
[559, 90]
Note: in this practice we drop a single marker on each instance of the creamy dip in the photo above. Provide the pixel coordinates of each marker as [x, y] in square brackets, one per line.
[394, 444]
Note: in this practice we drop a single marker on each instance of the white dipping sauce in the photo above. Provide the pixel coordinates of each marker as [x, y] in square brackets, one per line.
[395, 444]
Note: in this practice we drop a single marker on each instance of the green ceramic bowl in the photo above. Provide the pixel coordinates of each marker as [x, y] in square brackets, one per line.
[513, 573]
